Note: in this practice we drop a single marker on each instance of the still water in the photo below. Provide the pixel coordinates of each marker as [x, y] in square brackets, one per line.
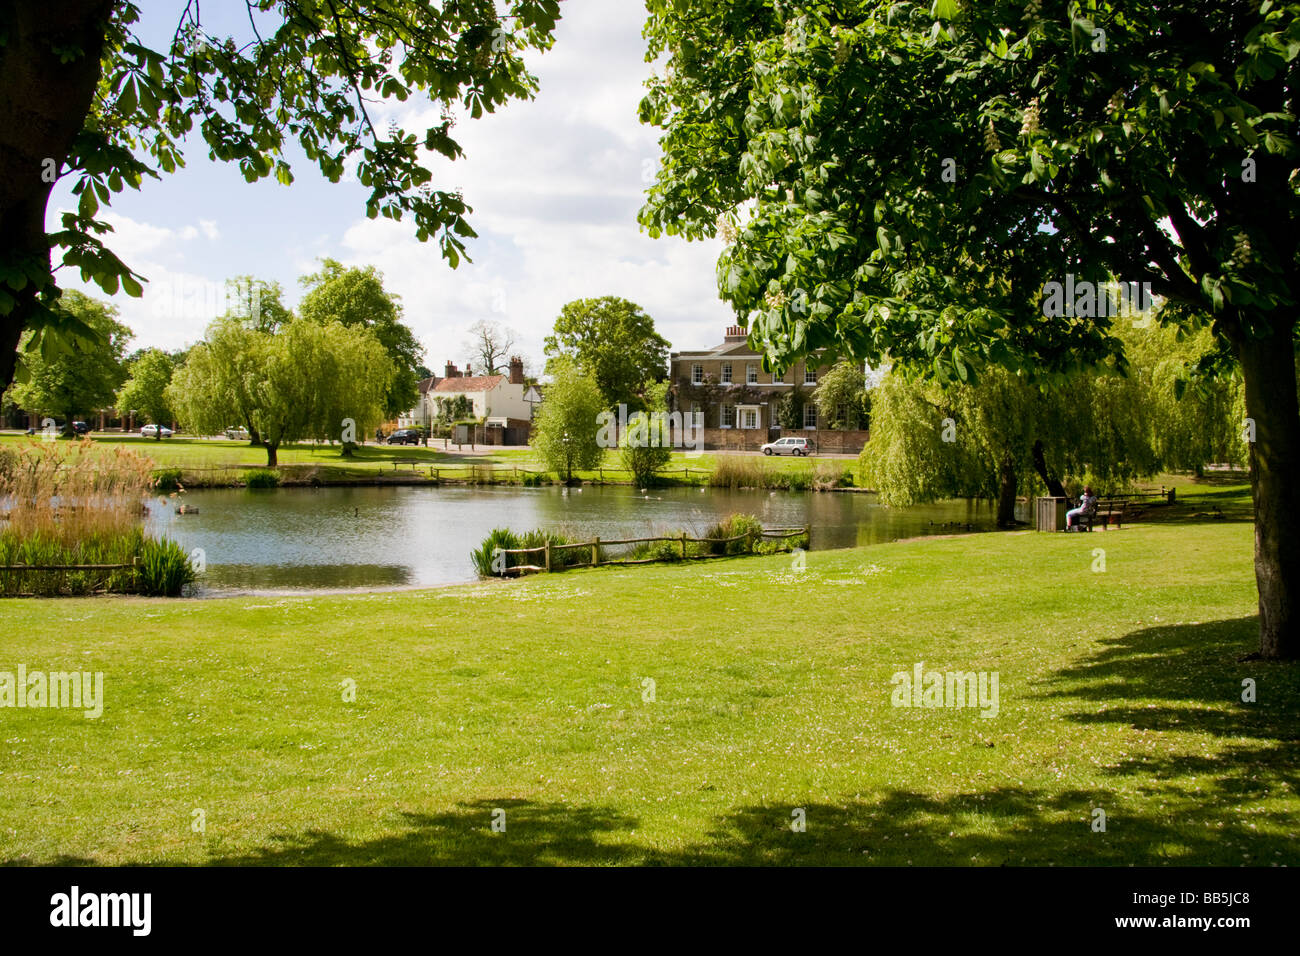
[295, 539]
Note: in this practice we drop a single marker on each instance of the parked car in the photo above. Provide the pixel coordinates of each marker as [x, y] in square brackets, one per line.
[788, 446]
[237, 433]
[151, 431]
[80, 428]
[404, 436]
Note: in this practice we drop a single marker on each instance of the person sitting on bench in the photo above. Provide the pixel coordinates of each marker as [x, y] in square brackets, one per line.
[1087, 506]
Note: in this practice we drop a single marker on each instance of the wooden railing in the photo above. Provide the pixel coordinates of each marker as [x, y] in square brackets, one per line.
[594, 546]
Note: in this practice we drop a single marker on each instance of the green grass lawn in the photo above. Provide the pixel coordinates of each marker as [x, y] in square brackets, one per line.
[1118, 689]
[218, 462]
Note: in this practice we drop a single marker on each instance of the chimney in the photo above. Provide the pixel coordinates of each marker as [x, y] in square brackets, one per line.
[737, 333]
[452, 371]
[469, 370]
[516, 370]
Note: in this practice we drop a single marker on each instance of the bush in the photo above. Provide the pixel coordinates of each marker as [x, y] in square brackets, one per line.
[731, 527]
[262, 478]
[163, 569]
[483, 556]
[506, 540]
[531, 479]
[166, 479]
[567, 558]
[644, 447]
[657, 550]
[781, 545]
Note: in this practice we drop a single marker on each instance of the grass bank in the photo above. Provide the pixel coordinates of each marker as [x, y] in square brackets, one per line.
[679, 714]
[207, 463]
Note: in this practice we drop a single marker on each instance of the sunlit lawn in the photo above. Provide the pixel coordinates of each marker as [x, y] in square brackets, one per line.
[1120, 690]
[209, 461]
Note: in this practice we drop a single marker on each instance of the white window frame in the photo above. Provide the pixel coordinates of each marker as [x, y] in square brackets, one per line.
[749, 419]
[807, 409]
[697, 374]
[726, 373]
[809, 375]
[751, 374]
[728, 417]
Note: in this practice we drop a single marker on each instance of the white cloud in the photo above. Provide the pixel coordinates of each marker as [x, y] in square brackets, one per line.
[555, 184]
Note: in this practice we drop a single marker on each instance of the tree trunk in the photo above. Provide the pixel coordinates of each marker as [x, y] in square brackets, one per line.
[1268, 368]
[1054, 486]
[271, 450]
[1007, 492]
[43, 106]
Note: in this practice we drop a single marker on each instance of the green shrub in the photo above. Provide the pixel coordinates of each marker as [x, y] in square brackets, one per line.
[163, 569]
[567, 558]
[483, 556]
[531, 479]
[658, 550]
[644, 447]
[166, 479]
[732, 527]
[262, 478]
[780, 545]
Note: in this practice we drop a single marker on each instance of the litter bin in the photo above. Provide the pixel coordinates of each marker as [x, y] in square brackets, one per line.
[1050, 514]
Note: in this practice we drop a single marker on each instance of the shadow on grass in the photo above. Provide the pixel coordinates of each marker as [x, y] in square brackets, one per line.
[1008, 826]
[997, 827]
[1167, 800]
[1186, 678]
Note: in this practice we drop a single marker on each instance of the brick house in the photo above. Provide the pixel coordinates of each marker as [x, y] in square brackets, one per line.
[740, 402]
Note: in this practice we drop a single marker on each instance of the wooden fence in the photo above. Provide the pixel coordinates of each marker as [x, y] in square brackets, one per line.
[595, 559]
[8, 571]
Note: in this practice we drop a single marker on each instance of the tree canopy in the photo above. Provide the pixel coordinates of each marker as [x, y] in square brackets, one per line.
[841, 397]
[1004, 435]
[309, 380]
[356, 296]
[615, 341]
[145, 390]
[564, 431]
[899, 182]
[78, 375]
[83, 96]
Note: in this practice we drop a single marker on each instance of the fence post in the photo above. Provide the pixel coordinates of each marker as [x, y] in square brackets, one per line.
[595, 552]
[683, 544]
[548, 555]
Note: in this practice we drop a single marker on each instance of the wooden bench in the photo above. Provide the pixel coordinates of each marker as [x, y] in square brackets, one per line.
[1108, 510]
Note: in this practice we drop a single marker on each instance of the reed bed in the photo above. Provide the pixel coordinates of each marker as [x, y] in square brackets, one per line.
[74, 511]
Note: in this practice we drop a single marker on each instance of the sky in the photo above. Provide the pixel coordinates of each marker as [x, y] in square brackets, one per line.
[555, 184]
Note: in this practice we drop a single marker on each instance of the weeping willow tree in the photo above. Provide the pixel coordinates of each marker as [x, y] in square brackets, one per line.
[999, 438]
[1200, 415]
[1006, 436]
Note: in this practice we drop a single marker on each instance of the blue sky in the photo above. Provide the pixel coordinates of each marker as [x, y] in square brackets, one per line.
[555, 184]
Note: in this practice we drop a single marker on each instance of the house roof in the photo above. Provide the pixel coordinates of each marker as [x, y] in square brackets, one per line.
[725, 350]
[472, 383]
[428, 384]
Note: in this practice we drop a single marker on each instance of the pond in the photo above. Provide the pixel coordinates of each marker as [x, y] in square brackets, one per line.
[296, 539]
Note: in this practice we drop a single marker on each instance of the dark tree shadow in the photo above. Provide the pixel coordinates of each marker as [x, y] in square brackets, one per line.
[1188, 678]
